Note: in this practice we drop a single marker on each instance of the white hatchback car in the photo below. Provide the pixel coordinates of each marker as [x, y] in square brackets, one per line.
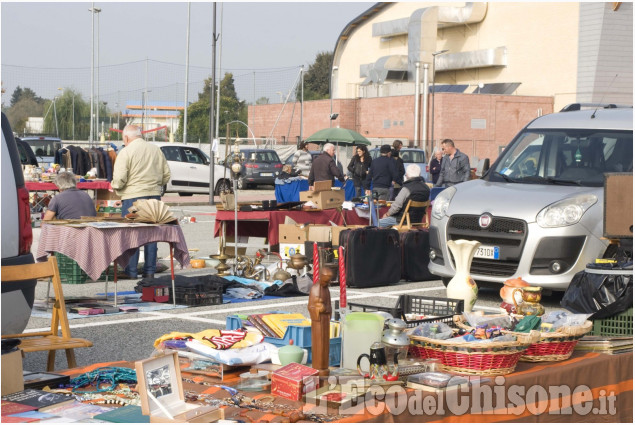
[189, 169]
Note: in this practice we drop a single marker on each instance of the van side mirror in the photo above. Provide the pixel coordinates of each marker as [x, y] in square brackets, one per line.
[482, 167]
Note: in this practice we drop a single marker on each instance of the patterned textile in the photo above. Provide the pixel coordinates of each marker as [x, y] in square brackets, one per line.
[216, 339]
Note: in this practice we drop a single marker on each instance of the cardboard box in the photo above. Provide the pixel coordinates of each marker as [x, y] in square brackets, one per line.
[293, 381]
[107, 203]
[336, 230]
[107, 195]
[319, 233]
[12, 379]
[324, 200]
[289, 249]
[292, 233]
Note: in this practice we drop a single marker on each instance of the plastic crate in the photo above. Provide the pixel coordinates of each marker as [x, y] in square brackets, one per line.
[619, 325]
[394, 311]
[70, 272]
[301, 336]
[443, 309]
[196, 297]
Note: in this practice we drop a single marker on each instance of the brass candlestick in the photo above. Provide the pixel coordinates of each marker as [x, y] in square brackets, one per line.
[222, 269]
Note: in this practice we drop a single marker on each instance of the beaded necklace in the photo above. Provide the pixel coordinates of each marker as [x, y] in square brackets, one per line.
[103, 375]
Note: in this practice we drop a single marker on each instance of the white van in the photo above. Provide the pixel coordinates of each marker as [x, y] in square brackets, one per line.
[538, 212]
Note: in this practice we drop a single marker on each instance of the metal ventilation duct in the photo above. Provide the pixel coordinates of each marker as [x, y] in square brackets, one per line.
[475, 59]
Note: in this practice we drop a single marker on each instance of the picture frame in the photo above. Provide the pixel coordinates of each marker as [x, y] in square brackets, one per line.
[161, 392]
[344, 398]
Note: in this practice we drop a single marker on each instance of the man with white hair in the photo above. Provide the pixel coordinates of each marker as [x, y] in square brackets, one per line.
[71, 202]
[139, 173]
[415, 189]
[324, 167]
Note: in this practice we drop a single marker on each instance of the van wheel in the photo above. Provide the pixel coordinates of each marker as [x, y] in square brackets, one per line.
[242, 185]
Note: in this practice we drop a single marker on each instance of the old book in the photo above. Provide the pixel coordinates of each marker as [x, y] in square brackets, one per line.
[10, 408]
[256, 320]
[76, 411]
[17, 420]
[38, 398]
[39, 380]
[280, 322]
[151, 211]
[33, 414]
[125, 414]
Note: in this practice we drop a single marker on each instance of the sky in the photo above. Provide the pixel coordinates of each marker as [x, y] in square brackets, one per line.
[255, 36]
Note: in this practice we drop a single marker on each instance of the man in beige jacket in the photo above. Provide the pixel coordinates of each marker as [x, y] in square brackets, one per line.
[139, 173]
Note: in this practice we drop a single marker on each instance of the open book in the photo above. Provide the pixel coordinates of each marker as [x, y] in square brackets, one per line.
[150, 211]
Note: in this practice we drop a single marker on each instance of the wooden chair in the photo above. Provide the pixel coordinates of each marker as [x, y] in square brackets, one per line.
[406, 215]
[48, 340]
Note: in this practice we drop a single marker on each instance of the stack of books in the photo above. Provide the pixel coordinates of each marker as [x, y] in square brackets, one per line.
[606, 344]
[275, 324]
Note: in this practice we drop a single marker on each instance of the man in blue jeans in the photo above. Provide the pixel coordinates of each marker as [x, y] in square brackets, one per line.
[139, 173]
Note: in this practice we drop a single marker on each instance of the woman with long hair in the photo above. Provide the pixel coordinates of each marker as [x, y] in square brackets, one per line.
[359, 165]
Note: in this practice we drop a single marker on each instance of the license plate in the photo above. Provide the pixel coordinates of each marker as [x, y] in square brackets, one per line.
[266, 174]
[489, 252]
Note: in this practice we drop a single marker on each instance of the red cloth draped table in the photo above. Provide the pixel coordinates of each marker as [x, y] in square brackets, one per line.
[44, 186]
[94, 249]
[265, 223]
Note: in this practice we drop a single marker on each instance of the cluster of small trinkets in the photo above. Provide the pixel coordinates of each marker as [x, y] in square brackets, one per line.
[249, 404]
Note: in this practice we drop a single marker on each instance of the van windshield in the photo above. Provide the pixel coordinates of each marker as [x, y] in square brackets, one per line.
[44, 147]
[565, 157]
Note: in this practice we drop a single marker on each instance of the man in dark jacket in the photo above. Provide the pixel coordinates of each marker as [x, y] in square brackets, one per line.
[382, 173]
[415, 189]
[401, 171]
[324, 168]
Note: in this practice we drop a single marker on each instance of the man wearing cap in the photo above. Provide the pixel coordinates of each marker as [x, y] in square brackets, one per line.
[324, 167]
[455, 167]
[415, 189]
[382, 173]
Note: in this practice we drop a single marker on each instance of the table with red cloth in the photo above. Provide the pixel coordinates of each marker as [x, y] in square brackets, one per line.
[44, 186]
[265, 223]
[94, 249]
[589, 387]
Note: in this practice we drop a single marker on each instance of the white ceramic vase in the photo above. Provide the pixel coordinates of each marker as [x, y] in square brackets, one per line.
[462, 286]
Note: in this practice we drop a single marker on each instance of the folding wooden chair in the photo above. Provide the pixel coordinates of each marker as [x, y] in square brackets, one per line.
[48, 340]
[406, 215]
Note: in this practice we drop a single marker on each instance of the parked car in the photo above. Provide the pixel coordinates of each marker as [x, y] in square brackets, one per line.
[538, 212]
[17, 236]
[44, 148]
[409, 156]
[27, 157]
[260, 166]
[189, 169]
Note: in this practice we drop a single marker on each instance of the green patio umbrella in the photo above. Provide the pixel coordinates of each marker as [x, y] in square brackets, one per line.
[338, 136]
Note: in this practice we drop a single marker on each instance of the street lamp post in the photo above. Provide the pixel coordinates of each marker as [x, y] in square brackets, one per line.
[434, 71]
[97, 11]
[331, 118]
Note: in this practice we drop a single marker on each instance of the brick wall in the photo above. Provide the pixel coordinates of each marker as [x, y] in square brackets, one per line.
[479, 124]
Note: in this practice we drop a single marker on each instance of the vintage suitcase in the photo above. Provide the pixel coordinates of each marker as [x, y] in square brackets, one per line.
[372, 256]
[415, 247]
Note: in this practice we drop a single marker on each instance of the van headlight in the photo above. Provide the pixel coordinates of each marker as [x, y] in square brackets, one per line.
[566, 212]
[442, 202]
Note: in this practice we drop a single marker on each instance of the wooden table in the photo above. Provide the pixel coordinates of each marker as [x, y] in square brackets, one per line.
[588, 387]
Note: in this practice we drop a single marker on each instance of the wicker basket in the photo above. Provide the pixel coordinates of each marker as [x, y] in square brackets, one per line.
[474, 358]
[552, 346]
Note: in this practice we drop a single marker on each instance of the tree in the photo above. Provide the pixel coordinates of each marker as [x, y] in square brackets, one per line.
[317, 79]
[262, 101]
[26, 93]
[19, 113]
[198, 113]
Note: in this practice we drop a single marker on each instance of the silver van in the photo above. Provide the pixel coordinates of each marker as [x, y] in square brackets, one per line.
[538, 211]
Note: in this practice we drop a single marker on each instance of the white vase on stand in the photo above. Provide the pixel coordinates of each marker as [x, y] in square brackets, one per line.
[462, 286]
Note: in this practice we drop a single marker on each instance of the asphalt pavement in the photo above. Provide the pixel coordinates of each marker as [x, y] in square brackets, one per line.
[131, 336]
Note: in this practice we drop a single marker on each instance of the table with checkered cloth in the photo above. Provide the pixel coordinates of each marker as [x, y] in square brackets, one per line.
[94, 249]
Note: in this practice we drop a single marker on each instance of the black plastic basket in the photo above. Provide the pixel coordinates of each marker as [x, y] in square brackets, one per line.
[441, 309]
[193, 296]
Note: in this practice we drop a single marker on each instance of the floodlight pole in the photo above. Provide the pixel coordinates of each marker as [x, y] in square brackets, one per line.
[434, 71]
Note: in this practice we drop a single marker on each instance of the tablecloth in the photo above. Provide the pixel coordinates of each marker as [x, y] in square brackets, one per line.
[265, 223]
[94, 249]
[42, 186]
[290, 192]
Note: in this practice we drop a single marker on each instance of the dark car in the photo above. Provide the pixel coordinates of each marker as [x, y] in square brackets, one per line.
[17, 236]
[260, 166]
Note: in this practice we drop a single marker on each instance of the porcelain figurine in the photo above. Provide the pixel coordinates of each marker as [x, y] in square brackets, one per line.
[462, 286]
[507, 294]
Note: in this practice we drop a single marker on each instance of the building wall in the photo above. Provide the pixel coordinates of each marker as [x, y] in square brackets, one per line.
[547, 48]
[381, 120]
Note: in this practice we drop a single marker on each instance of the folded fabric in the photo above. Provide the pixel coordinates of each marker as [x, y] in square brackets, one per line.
[244, 293]
[255, 354]
[216, 339]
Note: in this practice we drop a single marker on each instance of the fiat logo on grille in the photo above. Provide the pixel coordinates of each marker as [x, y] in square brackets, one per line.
[485, 221]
